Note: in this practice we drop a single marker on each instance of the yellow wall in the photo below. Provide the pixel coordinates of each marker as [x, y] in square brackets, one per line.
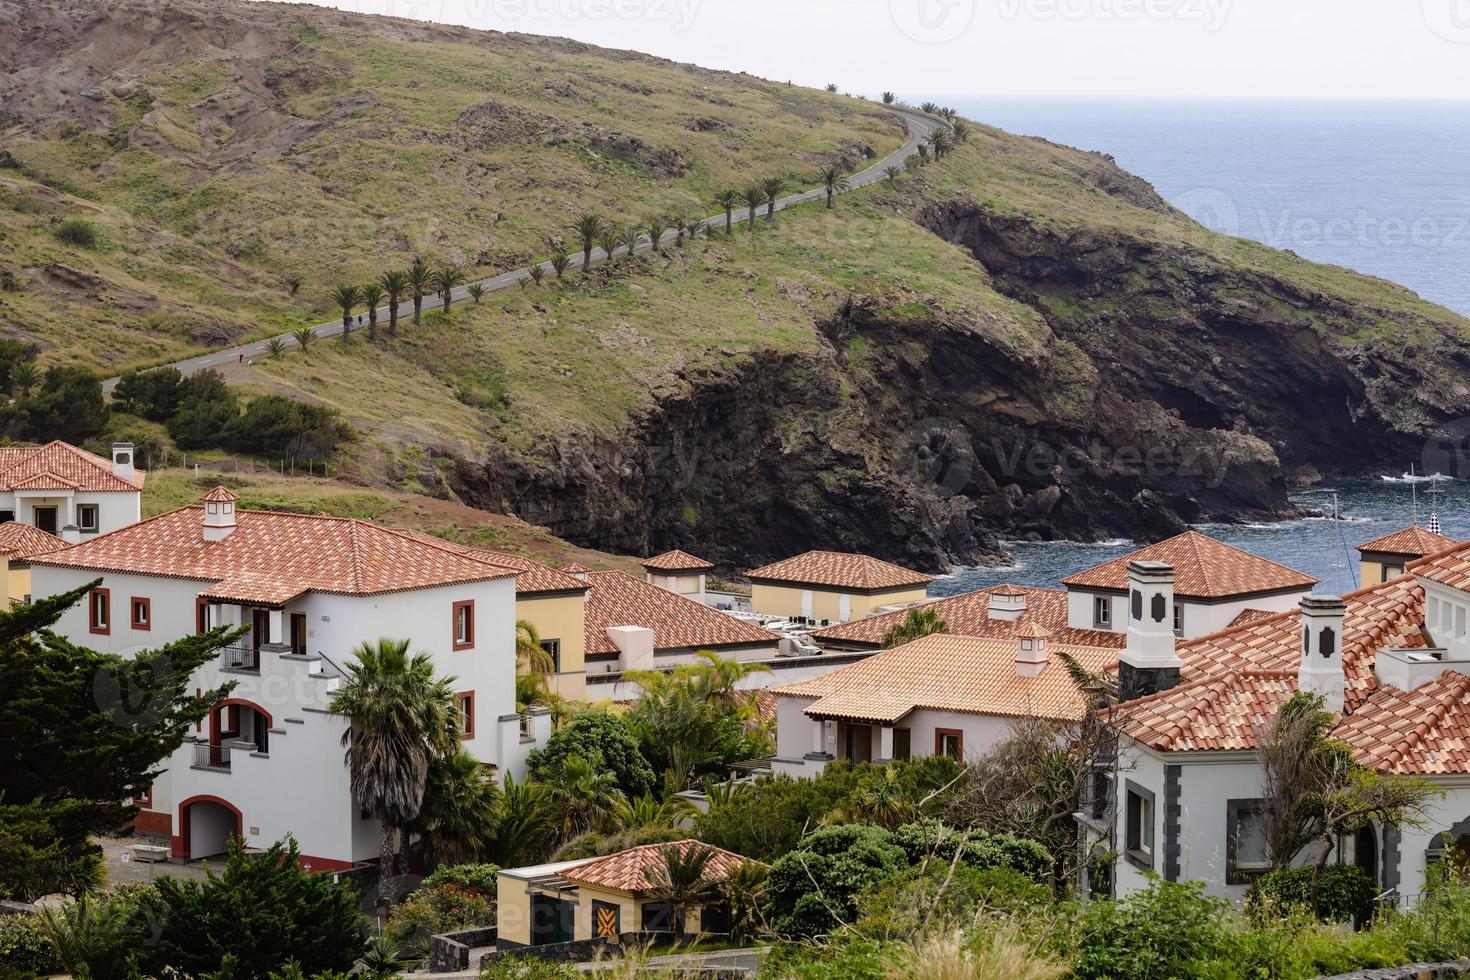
[1371, 573]
[17, 581]
[783, 600]
[561, 618]
[512, 911]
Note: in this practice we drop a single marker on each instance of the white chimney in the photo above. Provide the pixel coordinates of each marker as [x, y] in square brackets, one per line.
[71, 534]
[1320, 671]
[1149, 664]
[1031, 649]
[576, 571]
[1007, 604]
[219, 513]
[635, 645]
[122, 461]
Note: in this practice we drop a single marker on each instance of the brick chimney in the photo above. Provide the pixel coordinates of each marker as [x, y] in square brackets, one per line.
[219, 513]
[1149, 664]
[1320, 672]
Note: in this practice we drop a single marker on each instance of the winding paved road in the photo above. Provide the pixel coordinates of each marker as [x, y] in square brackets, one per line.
[919, 125]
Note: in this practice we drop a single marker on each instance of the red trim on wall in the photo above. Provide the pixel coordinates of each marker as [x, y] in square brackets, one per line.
[959, 735]
[244, 702]
[469, 641]
[465, 700]
[147, 622]
[319, 864]
[105, 627]
[154, 822]
[181, 839]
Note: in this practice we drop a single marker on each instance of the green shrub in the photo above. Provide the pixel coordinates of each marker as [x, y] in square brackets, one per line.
[68, 405]
[1345, 892]
[898, 906]
[592, 844]
[981, 850]
[1438, 926]
[605, 742]
[206, 408]
[528, 968]
[24, 946]
[152, 394]
[1154, 934]
[431, 911]
[853, 958]
[276, 427]
[816, 887]
[471, 877]
[76, 231]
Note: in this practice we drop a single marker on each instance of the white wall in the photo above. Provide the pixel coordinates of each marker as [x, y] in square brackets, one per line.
[1200, 618]
[1441, 818]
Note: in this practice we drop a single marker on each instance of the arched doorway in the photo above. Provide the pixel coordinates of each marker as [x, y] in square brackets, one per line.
[1365, 851]
[206, 825]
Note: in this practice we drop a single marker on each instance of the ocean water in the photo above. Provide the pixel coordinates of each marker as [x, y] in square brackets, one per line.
[1382, 188]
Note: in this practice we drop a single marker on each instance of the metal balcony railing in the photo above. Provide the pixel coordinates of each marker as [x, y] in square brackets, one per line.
[211, 756]
[240, 658]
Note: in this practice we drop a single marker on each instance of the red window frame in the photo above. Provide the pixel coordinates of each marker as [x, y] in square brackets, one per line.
[200, 620]
[104, 597]
[468, 608]
[144, 796]
[146, 604]
[959, 738]
[465, 701]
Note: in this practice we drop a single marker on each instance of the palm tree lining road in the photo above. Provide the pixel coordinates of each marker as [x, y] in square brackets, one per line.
[919, 125]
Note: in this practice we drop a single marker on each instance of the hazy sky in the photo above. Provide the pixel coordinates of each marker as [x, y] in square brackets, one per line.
[1418, 49]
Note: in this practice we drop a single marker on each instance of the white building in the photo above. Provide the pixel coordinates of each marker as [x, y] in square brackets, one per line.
[309, 590]
[1393, 659]
[939, 695]
[70, 492]
[1214, 584]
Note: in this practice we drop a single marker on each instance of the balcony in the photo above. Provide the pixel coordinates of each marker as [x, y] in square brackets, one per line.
[208, 756]
[240, 658]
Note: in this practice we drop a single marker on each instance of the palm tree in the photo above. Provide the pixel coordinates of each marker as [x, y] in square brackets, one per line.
[656, 228]
[419, 280]
[395, 284]
[918, 623]
[24, 376]
[380, 961]
[649, 811]
[536, 273]
[401, 718]
[753, 197]
[693, 224]
[87, 935]
[833, 180]
[275, 347]
[537, 659]
[744, 892]
[728, 200]
[346, 296]
[682, 880]
[523, 826]
[930, 107]
[609, 241]
[632, 235]
[304, 336]
[475, 290]
[589, 226]
[940, 141]
[961, 130]
[773, 187]
[889, 98]
[372, 295]
[559, 263]
[720, 676]
[892, 174]
[581, 796]
[460, 813]
[923, 152]
[679, 219]
[444, 280]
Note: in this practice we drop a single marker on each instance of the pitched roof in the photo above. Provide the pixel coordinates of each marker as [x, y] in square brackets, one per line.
[20, 541]
[273, 557]
[944, 672]
[1410, 542]
[1204, 568]
[678, 623]
[676, 561]
[532, 577]
[629, 871]
[1215, 713]
[968, 614]
[61, 466]
[835, 569]
[1450, 567]
[1247, 616]
[575, 569]
[1423, 732]
[220, 494]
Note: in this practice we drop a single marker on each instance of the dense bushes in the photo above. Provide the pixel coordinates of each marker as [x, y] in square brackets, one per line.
[436, 909]
[25, 949]
[978, 849]
[68, 404]
[604, 742]
[901, 905]
[154, 394]
[815, 888]
[472, 877]
[1345, 892]
[76, 231]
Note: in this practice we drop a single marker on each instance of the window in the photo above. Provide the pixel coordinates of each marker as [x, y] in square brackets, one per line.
[464, 624]
[553, 647]
[1392, 571]
[901, 745]
[657, 917]
[1102, 612]
[298, 634]
[1178, 619]
[99, 611]
[465, 703]
[1246, 850]
[87, 519]
[141, 612]
[143, 796]
[201, 616]
[950, 742]
[1139, 829]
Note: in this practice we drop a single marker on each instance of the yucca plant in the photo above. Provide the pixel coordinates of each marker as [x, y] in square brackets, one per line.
[632, 236]
[304, 336]
[372, 295]
[24, 376]
[536, 274]
[832, 86]
[560, 262]
[475, 290]
[395, 284]
[693, 225]
[589, 228]
[961, 131]
[275, 347]
[892, 174]
[930, 107]
[656, 228]
[678, 219]
[889, 98]
[609, 241]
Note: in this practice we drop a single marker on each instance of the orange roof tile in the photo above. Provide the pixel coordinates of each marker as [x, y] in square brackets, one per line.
[575, 569]
[271, 557]
[968, 614]
[1410, 542]
[1421, 732]
[943, 672]
[1228, 711]
[630, 870]
[677, 561]
[836, 570]
[1247, 616]
[20, 541]
[532, 577]
[1204, 568]
[1451, 567]
[63, 465]
[220, 494]
[678, 623]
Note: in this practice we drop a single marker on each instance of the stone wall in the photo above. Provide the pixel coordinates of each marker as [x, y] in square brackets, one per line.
[1415, 971]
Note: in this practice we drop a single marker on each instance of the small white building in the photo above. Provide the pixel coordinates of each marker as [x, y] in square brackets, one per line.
[1214, 583]
[680, 573]
[309, 590]
[70, 492]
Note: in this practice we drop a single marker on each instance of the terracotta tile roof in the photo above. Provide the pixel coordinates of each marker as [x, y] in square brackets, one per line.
[1247, 616]
[1214, 714]
[272, 557]
[1450, 567]
[629, 871]
[1410, 542]
[836, 570]
[575, 569]
[532, 577]
[969, 615]
[1422, 732]
[943, 672]
[20, 541]
[59, 465]
[1203, 569]
[220, 494]
[677, 561]
[678, 623]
